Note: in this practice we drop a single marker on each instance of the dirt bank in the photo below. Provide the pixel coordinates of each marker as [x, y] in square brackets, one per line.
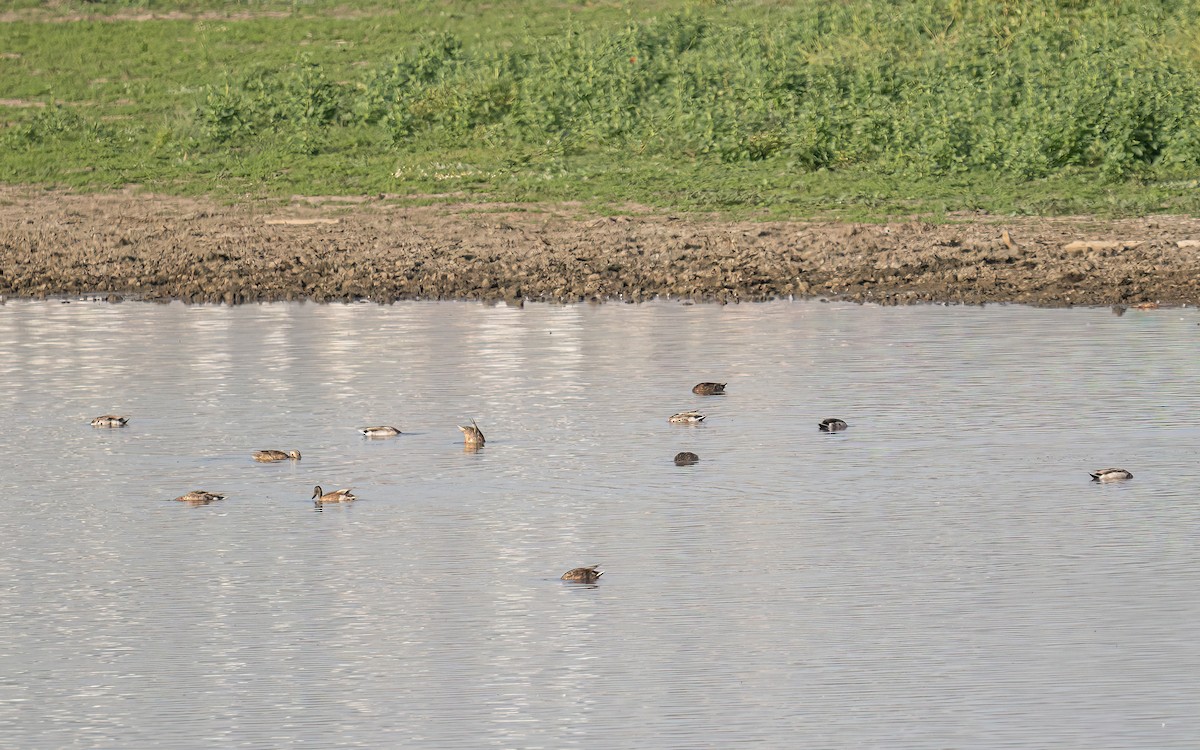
[149, 247]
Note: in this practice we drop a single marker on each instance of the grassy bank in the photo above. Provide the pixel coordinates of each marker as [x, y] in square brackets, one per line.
[864, 108]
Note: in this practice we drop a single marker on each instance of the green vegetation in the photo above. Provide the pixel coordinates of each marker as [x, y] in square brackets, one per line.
[857, 108]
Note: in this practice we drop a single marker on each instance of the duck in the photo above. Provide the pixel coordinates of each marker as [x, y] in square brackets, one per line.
[382, 431]
[709, 389]
[110, 420]
[686, 458]
[583, 575]
[686, 417]
[321, 497]
[1110, 475]
[832, 425]
[200, 497]
[267, 457]
[472, 435]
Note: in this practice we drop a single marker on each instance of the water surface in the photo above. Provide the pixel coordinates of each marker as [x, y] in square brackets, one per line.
[943, 574]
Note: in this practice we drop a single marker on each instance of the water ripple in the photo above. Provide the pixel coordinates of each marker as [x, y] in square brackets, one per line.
[942, 574]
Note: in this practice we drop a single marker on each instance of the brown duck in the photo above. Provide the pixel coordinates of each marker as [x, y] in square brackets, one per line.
[200, 497]
[320, 497]
[472, 435]
[110, 420]
[583, 575]
[267, 457]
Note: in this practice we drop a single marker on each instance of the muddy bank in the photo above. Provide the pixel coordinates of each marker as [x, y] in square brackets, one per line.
[136, 246]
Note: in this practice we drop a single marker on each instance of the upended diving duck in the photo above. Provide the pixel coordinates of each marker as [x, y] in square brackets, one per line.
[472, 435]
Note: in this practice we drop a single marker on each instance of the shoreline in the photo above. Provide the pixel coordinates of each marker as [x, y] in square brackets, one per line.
[157, 248]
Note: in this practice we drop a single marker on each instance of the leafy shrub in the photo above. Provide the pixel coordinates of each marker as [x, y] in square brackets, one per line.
[1020, 89]
[56, 123]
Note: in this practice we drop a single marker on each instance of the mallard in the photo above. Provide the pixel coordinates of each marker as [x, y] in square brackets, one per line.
[267, 457]
[686, 417]
[110, 420]
[832, 425]
[200, 497]
[472, 435]
[583, 575]
[709, 389]
[382, 431]
[321, 497]
[686, 459]
[1110, 475]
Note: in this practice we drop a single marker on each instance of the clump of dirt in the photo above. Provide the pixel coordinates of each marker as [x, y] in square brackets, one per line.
[148, 247]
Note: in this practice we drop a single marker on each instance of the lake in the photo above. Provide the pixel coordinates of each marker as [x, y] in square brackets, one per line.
[943, 574]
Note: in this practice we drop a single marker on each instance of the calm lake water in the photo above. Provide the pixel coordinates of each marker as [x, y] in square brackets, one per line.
[941, 575]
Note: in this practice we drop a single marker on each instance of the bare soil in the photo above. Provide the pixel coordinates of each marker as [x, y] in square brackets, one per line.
[133, 245]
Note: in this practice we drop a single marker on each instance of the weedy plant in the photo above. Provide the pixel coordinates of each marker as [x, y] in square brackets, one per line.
[756, 98]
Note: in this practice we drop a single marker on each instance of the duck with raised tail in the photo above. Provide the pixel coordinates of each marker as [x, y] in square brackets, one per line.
[472, 435]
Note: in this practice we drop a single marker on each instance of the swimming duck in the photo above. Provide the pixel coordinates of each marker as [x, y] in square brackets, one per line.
[832, 425]
[472, 435]
[110, 420]
[686, 458]
[337, 496]
[379, 432]
[709, 389]
[686, 417]
[583, 575]
[267, 457]
[1110, 475]
[199, 497]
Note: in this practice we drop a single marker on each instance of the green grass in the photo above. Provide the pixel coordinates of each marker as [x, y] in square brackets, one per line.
[858, 109]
